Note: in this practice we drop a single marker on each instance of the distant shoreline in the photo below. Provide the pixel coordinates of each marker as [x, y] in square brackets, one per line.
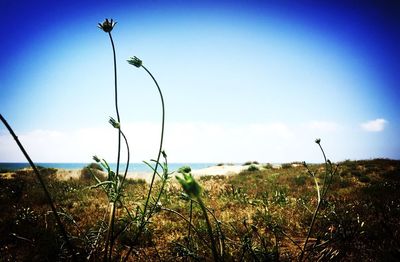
[205, 169]
[133, 167]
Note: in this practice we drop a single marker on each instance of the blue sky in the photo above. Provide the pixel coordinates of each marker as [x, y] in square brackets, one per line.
[249, 80]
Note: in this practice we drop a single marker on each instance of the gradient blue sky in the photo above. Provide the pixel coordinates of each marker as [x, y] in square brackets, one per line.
[243, 80]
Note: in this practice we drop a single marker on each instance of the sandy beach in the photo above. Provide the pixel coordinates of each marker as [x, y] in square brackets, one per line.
[64, 174]
[224, 170]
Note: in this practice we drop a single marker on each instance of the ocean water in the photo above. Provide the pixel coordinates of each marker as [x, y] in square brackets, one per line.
[135, 167]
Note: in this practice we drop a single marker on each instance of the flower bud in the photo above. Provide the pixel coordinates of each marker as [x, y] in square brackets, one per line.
[107, 26]
[114, 123]
[190, 185]
[135, 61]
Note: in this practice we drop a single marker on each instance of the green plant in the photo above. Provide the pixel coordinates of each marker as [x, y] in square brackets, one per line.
[330, 171]
[193, 191]
[91, 170]
[253, 168]
[146, 216]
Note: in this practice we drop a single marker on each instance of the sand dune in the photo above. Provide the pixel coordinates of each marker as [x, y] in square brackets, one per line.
[225, 170]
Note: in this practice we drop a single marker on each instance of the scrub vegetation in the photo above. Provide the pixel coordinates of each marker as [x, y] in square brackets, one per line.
[304, 212]
[260, 215]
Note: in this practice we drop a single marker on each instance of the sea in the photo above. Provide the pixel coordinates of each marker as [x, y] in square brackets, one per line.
[133, 167]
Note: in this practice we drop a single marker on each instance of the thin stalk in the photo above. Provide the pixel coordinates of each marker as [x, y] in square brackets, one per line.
[116, 100]
[326, 169]
[119, 189]
[144, 220]
[221, 236]
[111, 215]
[164, 182]
[161, 140]
[112, 205]
[46, 192]
[309, 231]
[209, 229]
[324, 190]
[127, 161]
[190, 220]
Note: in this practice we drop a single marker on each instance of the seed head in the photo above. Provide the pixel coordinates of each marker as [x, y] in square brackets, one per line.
[164, 154]
[114, 123]
[107, 26]
[135, 61]
[318, 140]
[95, 158]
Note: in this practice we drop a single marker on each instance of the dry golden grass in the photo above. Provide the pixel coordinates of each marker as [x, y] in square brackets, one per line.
[262, 213]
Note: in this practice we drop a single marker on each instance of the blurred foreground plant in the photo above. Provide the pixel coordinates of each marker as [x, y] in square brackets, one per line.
[47, 194]
[193, 190]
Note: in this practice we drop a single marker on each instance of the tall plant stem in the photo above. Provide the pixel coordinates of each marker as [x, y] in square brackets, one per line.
[144, 219]
[161, 140]
[321, 197]
[310, 230]
[116, 101]
[46, 192]
[112, 205]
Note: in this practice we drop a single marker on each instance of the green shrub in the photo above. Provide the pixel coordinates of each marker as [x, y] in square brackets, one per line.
[300, 180]
[253, 168]
[248, 163]
[95, 166]
[90, 170]
[268, 166]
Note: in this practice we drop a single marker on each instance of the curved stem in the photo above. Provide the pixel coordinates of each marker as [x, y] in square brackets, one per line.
[144, 220]
[161, 140]
[326, 169]
[46, 192]
[127, 161]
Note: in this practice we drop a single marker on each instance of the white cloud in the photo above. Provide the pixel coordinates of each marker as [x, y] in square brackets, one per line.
[194, 142]
[376, 125]
[184, 142]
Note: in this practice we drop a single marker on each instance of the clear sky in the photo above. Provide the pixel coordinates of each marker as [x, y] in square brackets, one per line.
[242, 80]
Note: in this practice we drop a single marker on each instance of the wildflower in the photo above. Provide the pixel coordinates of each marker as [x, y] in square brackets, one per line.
[135, 61]
[114, 123]
[107, 26]
[318, 140]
